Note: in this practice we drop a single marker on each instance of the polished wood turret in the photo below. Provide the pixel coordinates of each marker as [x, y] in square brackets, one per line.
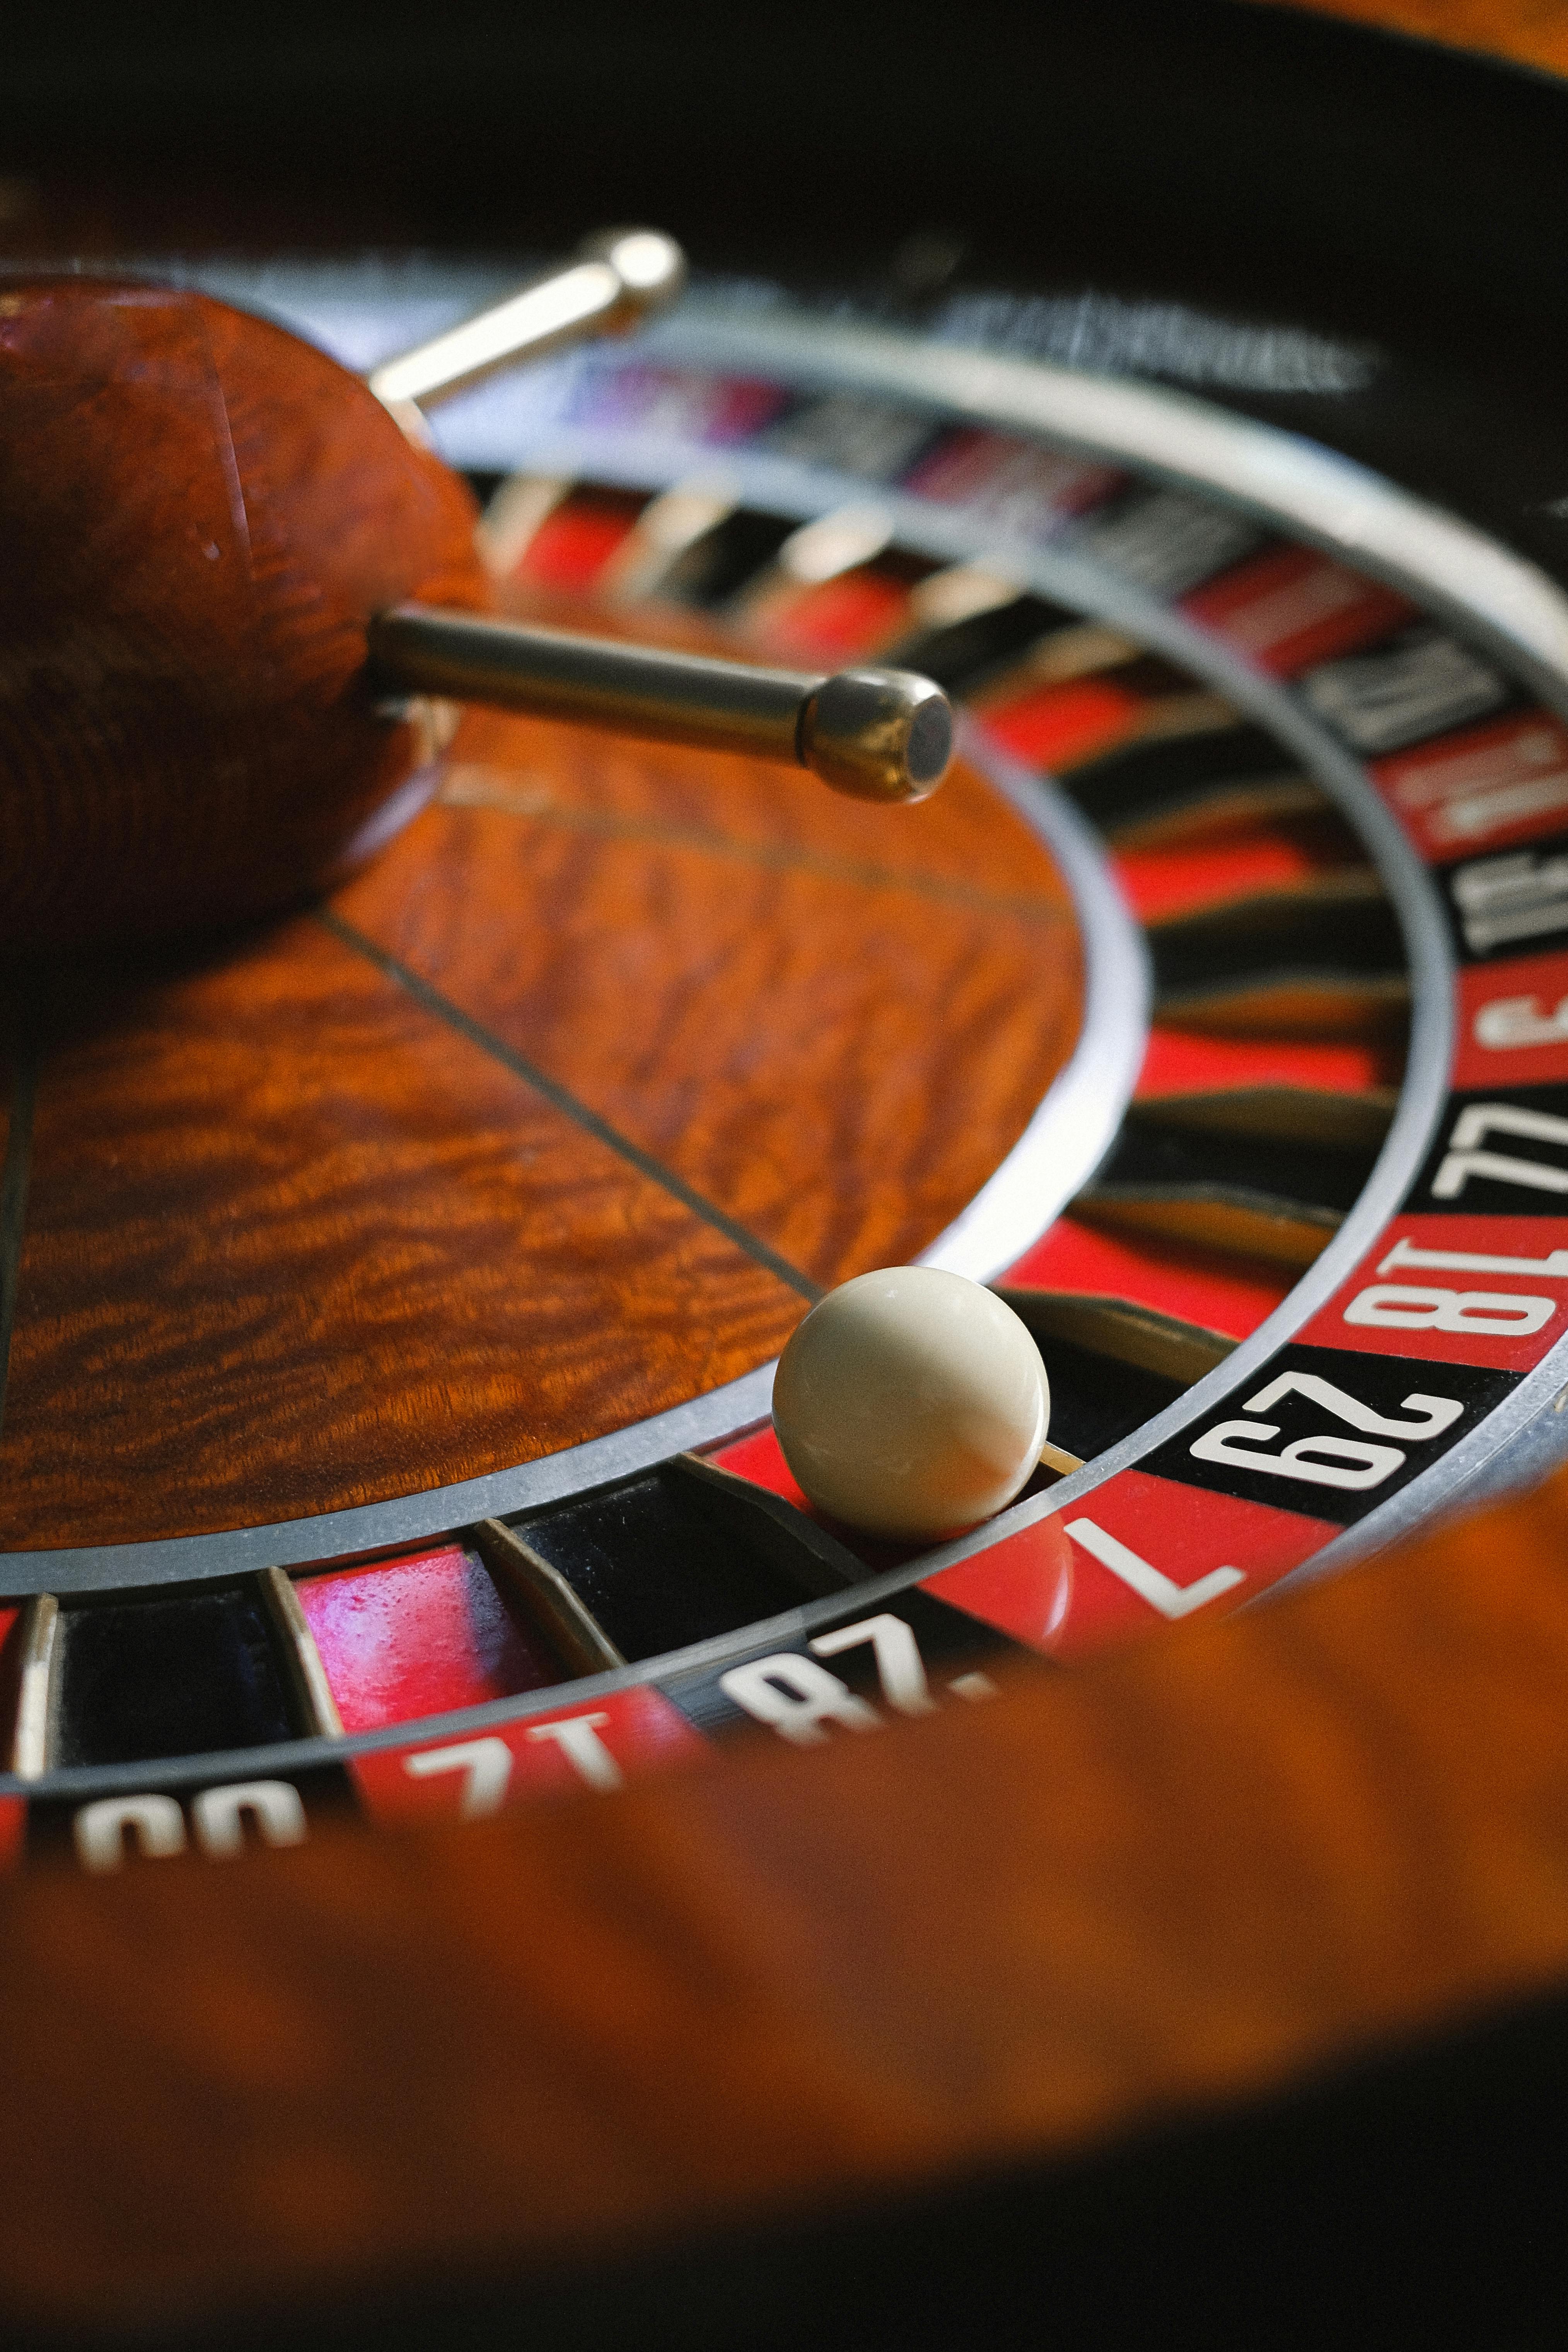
[199, 515]
[234, 576]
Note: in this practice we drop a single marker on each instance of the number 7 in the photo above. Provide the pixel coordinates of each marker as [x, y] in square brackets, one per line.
[487, 1764]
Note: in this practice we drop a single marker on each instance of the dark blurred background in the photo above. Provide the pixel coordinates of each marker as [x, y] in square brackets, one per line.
[1247, 163]
[1219, 143]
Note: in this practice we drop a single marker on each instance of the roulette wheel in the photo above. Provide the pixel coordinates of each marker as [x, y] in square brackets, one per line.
[391, 1288]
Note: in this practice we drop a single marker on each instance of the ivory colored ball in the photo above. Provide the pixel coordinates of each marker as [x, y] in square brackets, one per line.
[911, 1403]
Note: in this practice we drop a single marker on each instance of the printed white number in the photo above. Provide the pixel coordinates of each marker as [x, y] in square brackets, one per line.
[1170, 1598]
[274, 1805]
[899, 1668]
[1436, 1414]
[797, 1697]
[156, 1823]
[1466, 1159]
[1520, 897]
[1482, 1314]
[578, 1740]
[1553, 1266]
[1511, 1021]
[486, 1766]
[1326, 1460]
[1350, 1462]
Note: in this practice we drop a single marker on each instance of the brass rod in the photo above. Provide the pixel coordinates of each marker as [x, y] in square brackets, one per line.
[306, 1674]
[877, 734]
[545, 1598]
[618, 279]
[39, 1643]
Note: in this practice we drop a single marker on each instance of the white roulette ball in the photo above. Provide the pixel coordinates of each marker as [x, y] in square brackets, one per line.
[911, 1403]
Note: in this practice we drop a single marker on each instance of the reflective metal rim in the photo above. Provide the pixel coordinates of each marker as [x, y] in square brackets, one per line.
[1449, 566]
[1315, 495]
[1456, 573]
[1068, 1135]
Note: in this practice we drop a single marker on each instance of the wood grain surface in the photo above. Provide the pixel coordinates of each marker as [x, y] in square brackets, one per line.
[1209, 1865]
[608, 1064]
[292, 1242]
[831, 1027]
